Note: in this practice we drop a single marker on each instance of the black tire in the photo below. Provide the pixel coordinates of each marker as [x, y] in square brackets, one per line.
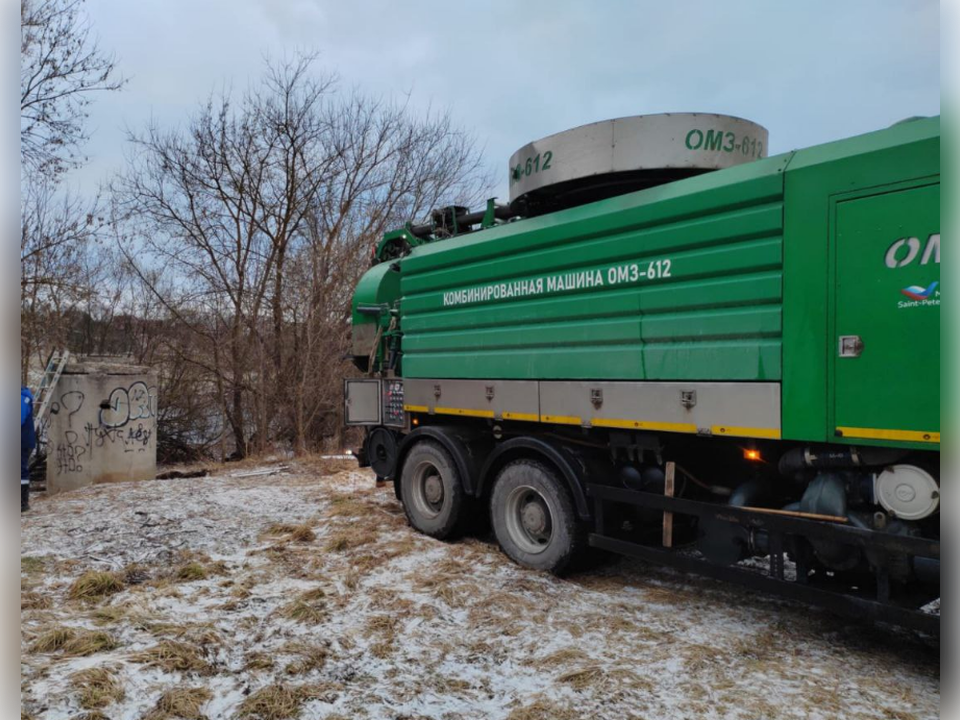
[431, 491]
[534, 518]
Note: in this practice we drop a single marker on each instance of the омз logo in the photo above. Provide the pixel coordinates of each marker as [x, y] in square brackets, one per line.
[915, 292]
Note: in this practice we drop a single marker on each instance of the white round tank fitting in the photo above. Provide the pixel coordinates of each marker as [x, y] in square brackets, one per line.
[909, 492]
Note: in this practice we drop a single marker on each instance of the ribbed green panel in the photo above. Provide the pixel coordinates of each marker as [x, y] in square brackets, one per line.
[718, 316]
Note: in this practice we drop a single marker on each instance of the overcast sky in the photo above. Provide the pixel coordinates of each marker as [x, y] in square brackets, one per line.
[512, 71]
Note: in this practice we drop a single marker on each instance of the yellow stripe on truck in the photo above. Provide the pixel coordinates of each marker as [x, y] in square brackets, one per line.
[644, 425]
[461, 412]
[880, 434]
[728, 431]
[524, 417]
[689, 428]
[562, 420]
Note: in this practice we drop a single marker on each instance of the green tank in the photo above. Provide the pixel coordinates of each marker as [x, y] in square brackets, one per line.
[817, 271]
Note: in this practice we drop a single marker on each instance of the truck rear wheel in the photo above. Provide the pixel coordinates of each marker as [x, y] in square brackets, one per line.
[431, 491]
[534, 518]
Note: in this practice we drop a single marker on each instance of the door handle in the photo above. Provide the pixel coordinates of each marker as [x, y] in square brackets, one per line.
[851, 346]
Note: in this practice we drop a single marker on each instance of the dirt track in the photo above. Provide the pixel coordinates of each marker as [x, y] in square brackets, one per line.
[305, 594]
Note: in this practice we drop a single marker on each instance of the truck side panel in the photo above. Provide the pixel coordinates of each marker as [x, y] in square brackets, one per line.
[676, 283]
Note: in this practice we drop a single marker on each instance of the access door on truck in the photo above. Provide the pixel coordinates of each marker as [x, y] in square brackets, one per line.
[886, 356]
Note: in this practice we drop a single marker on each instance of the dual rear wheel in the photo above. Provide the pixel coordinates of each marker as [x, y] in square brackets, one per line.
[532, 514]
[431, 491]
[534, 518]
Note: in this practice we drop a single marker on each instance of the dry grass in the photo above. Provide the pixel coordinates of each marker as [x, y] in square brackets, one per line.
[131, 614]
[203, 636]
[52, 640]
[898, 715]
[90, 642]
[583, 679]
[303, 534]
[446, 686]
[294, 533]
[180, 703]
[665, 596]
[383, 650]
[603, 681]
[826, 697]
[259, 661]
[317, 465]
[347, 506]
[172, 656]
[542, 709]
[368, 562]
[349, 539]
[448, 585]
[32, 564]
[35, 601]
[761, 648]
[700, 658]
[191, 572]
[383, 598]
[275, 702]
[384, 628]
[382, 625]
[504, 612]
[567, 656]
[136, 574]
[307, 658]
[73, 643]
[97, 687]
[279, 529]
[95, 585]
[620, 622]
[398, 548]
[302, 612]
[309, 608]
[351, 580]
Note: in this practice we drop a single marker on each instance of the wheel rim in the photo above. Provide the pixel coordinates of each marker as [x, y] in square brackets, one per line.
[529, 521]
[429, 494]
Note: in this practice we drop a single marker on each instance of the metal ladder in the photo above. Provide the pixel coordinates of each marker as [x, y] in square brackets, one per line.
[51, 376]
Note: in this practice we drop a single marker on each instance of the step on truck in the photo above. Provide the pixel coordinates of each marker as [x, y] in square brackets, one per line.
[672, 346]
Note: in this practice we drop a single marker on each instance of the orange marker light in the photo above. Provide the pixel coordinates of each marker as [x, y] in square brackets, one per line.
[752, 455]
[416, 421]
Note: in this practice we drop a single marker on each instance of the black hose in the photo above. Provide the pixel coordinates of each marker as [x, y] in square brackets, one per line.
[800, 459]
[501, 212]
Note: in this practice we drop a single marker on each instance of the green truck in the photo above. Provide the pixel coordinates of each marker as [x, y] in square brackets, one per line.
[669, 341]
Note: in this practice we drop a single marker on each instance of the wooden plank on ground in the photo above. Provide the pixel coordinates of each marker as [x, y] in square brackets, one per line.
[669, 490]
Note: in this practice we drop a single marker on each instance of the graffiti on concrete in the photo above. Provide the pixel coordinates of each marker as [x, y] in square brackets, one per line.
[70, 402]
[126, 405]
[70, 453]
[129, 439]
[125, 423]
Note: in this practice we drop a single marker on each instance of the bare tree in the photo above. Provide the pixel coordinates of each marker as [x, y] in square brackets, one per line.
[391, 167]
[218, 206]
[59, 267]
[261, 216]
[60, 263]
[61, 65]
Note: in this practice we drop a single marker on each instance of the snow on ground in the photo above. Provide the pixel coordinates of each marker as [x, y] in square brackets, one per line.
[305, 594]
